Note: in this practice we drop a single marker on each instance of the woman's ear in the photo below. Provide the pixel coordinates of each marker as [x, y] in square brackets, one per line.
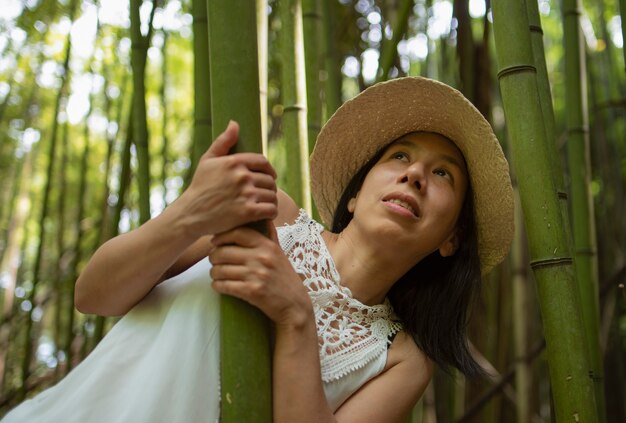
[352, 205]
[450, 245]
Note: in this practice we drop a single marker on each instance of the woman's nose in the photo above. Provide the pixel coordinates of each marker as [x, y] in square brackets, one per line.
[415, 175]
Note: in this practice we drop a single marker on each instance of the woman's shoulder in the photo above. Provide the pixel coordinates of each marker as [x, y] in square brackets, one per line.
[405, 351]
[288, 210]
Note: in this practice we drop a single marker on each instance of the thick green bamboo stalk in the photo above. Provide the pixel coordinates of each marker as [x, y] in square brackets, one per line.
[294, 121]
[138, 57]
[246, 388]
[202, 124]
[550, 254]
[262, 28]
[332, 86]
[545, 96]
[390, 47]
[584, 230]
[312, 30]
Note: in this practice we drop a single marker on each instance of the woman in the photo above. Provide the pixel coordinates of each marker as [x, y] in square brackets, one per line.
[420, 199]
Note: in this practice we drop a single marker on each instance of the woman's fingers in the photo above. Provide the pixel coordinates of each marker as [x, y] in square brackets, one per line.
[224, 142]
[226, 254]
[233, 272]
[241, 236]
[255, 162]
[262, 180]
[228, 287]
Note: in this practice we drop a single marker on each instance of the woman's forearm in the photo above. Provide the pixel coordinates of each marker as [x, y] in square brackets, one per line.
[226, 191]
[124, 269]
[297, 385]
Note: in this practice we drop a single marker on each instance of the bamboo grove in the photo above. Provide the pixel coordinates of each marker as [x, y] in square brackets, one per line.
[106, 107]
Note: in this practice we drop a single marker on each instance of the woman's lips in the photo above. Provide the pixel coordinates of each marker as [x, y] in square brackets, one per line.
[402, 203]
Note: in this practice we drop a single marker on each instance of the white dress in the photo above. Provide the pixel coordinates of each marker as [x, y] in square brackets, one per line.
[160, 362]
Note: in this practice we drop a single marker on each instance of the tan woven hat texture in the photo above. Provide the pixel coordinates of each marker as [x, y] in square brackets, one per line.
[388, 110]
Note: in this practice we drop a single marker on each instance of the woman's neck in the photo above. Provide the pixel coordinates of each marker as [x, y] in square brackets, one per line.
[367, 268]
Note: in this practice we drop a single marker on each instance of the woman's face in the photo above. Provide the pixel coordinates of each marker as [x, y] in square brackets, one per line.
[413, 195]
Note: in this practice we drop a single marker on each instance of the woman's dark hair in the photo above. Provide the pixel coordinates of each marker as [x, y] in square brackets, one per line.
[433, 298]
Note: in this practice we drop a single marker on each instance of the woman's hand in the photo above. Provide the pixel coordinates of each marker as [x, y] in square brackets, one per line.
[227, 191]
[254, 268]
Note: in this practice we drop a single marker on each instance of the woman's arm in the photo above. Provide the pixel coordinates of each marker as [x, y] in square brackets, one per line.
[391, 396]
[226, 191]
[252, 267]
[388, 398]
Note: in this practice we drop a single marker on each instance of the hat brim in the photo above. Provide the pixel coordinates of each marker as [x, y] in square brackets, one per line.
[388, 110]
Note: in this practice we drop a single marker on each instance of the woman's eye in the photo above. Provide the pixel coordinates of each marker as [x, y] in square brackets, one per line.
[441, 172]
[400, 156]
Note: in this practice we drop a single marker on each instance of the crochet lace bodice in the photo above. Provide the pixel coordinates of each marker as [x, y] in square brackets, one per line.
[350, 333]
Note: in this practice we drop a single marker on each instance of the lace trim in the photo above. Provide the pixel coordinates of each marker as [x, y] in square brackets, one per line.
[350, 333]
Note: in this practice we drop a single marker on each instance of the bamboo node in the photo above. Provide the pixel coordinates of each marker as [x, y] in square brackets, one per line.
[555, 261]
[562, 195]
[516, 69]
[536, 28]
[295, 107]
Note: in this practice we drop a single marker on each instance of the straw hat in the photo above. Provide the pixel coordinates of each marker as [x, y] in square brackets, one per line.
[388, 110]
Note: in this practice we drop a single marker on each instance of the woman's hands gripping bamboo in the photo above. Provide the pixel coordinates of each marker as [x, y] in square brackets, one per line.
[226, 191]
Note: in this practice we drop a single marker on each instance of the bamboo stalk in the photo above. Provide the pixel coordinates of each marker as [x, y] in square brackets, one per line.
[60, 267]
[294, 121]
[11, 262]
[312, 31]
[584, 230]
[312, 25]
[37, 273]
[138, 57]
[390, 47]
[550, 254]
[523, 371]
[608, 133]
[545, 96]
[246, 389]
[332, 85]
[262, 27]
[622, 14]
[164, 117]
[465, 48]
[202, 123]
